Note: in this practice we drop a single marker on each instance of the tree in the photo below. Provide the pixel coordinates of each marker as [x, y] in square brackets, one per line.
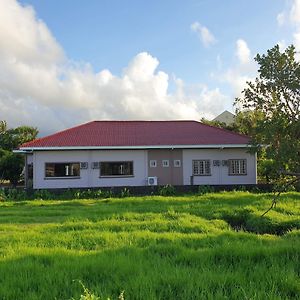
[244, 122]
[12, 138]
[11, 164]
[275, 95]
[3, 126]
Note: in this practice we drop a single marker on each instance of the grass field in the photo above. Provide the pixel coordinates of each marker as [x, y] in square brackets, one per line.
[214, 246]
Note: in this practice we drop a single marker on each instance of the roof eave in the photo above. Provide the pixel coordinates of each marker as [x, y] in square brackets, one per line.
[142, 147]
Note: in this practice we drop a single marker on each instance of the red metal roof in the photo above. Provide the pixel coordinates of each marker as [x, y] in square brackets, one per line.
[139, 133]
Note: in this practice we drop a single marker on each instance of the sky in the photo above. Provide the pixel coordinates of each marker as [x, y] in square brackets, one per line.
[63, 63]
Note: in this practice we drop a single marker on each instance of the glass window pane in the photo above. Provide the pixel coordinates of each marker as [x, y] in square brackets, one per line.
[116, 168]
[62, 169]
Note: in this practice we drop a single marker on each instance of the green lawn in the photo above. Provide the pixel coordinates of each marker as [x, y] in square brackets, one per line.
[214, 246]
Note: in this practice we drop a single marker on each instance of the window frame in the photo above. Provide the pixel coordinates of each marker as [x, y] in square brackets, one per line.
[116, 176]
[239, 160]
[205, 161]
[62, 177]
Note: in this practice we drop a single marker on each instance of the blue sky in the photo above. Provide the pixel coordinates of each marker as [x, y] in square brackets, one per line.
[75, 61]
[109, 33]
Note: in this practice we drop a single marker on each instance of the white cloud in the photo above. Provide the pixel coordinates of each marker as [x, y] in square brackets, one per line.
[40, 86]
[295, 12]
[281, 18]
[282, 45]
[244, 70]
[24, 38]
[206, 37]
[291, 16]
[243, 52]
[236, 79]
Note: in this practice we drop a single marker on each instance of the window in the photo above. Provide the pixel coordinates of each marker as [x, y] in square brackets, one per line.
[237, 167]
[53, 170]
[177, 163]
[201, 167]
[152, 163]
[116, 168]
[165, 163]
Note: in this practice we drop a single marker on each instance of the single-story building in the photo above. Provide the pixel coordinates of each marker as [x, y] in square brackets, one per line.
[139, 153]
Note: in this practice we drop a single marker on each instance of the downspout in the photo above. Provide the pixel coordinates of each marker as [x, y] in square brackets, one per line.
[26, 173]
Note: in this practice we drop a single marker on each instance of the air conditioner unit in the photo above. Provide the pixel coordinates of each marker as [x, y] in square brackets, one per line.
[83, 165]
[152, 180]
[95, 165]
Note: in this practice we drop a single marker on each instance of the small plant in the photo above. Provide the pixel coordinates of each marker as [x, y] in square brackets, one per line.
[43, 195]
[167, 190]
[88, 295]
[125, 193]
[242, 188]
[98, 194]
[87, 194]
[205, 189]
[2, 195]
[14, 195]
[91, 194]
[108, 194]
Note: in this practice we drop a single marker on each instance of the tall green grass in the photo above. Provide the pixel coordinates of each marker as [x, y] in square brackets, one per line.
[214, 246]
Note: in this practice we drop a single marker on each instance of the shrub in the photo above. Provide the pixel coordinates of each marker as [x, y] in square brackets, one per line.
[205, 189]
[125, 193]
[2, 195]
[13, 195]
[167, 190]
[43, 195]
[99, 194]
[91, 194]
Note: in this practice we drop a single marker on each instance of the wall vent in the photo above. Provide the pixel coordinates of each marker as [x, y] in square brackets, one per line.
[224, 162]
[95, 165]
[216, 163]
[83, 165]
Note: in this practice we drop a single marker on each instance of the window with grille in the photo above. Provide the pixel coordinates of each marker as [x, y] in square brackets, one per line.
[237, 167]
[201, 167]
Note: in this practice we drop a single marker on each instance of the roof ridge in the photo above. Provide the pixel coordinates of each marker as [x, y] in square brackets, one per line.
[125, 121]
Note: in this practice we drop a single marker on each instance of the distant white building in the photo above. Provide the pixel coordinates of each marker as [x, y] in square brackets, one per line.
[225, 117]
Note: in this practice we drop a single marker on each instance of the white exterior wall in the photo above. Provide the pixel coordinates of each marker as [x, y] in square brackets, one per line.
[219, 174]
[89, 177]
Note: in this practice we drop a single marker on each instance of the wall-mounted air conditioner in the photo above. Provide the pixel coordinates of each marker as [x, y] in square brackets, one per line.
[152, 180]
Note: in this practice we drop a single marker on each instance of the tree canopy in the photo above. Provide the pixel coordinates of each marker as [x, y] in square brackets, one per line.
[11, 164]
[275, 95]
